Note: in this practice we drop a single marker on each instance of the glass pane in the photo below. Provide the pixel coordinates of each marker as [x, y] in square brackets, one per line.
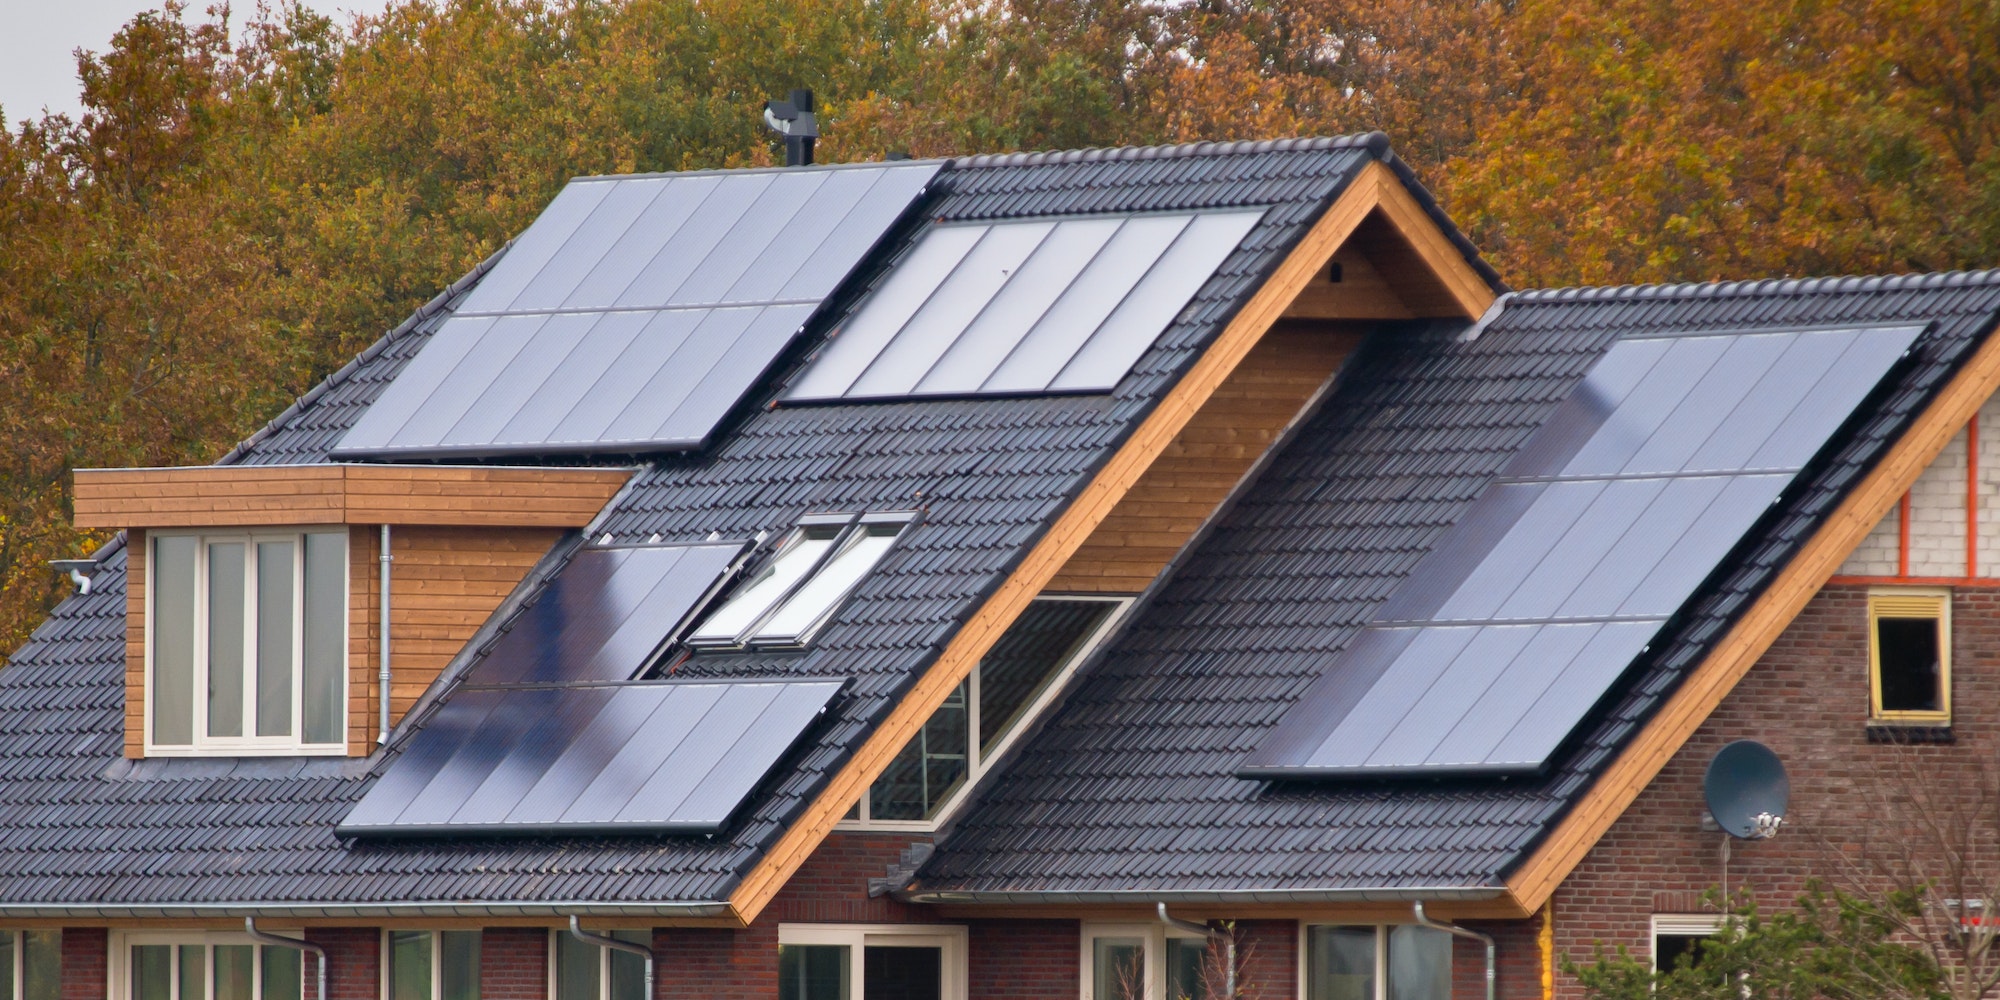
[1340, 963]
[1419, 964]
[458, 965]
[928, 768]
[282, 973]
[1187, 962]
[813, 972]
[1118, 968]
[902, 973]
[817, 597]
[1676, 951]
[6, 965]
[763, 589]
[226, 635]
[41, 965]
[576, 968]
[1908, 651]
[325, 626]
[233, 966]
[152, 972]
[194, 971]
[409, 965]
[274, 638]
[1028, 657]
[172, 694]
[628, 971]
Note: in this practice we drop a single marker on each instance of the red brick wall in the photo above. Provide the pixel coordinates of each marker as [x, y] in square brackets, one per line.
[84, 951]
[354, 962]
[718, 964]
[1022, 959]
[1808, 700]
[513, 963]
[832, 886]
[1267, 959]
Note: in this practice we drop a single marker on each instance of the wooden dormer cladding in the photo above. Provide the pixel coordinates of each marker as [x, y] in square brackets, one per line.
[461, 538]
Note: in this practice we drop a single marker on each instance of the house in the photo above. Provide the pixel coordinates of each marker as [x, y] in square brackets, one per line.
[1089, 574]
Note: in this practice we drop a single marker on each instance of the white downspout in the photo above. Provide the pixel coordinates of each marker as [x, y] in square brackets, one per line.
[382, 678]
[1491, 958]
[1228, 945]
[250, 928]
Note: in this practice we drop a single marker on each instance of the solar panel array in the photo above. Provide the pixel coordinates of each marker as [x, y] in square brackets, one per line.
[1024, 307]
[635, 313]
[1609, 519]
[647, 758]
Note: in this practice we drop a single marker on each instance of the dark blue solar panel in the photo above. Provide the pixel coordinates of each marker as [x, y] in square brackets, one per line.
[1554, 581]
[635, 313]
[637, 757]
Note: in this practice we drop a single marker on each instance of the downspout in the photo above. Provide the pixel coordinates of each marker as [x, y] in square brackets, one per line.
[250, 928]
[604, 941]
[1228, 947]
[1491, 959]
[382, 678]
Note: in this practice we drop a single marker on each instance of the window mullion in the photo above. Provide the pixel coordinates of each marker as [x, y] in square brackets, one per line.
[1381, 962]
[199, 696]
[975, 761]
[252, 584]
[298, 727]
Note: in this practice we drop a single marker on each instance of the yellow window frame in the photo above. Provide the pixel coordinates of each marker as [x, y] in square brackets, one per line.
[1910, 602]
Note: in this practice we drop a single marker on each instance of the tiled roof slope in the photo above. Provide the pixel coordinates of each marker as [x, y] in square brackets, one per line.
[84, 828]
[1129, 787]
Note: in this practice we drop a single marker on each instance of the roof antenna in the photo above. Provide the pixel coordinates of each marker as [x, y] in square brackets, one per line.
[794, 120]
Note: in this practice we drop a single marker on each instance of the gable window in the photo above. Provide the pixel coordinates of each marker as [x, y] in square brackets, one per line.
[981, 717]
[247, 642]
[1909, 656]
[584, 971]
[215, 966]
[31, 965]
[1397, 962]
[804, 581]
[1149, 962]
[871, 962]
[1677, 939]
[433, 965]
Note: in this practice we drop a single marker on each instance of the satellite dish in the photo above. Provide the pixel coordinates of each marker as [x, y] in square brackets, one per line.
[1747, 790]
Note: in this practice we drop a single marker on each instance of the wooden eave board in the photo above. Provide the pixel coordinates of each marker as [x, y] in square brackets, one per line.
[240, 495]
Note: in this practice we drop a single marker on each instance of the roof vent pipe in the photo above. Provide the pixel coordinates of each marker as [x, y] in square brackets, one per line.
[794, 120]
[1228, 947]
[1423, 921]
[605, 941]
[250, 928]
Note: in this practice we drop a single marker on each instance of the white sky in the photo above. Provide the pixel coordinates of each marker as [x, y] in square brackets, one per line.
[38, 39]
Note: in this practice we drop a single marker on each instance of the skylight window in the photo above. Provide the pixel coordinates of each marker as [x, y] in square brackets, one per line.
[803, 583]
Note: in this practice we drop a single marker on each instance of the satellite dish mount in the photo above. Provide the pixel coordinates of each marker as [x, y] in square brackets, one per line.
[1747, 792]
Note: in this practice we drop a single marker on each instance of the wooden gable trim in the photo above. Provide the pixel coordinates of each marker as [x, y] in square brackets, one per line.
[245, 495]
[1374, 188]
[1535, 881]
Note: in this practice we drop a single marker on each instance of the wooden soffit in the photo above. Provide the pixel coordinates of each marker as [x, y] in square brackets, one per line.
[226, 495]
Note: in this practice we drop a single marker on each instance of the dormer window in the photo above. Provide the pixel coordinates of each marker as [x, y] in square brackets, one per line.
[804, 581]
[247, 642]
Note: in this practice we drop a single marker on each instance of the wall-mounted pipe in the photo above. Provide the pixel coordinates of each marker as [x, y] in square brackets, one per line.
[1491, 958]
[250, 928]
[1228, 946]
[606, 941]
[382, 678]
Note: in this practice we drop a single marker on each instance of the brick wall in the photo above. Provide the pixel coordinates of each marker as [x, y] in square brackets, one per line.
[718, 964]
[1808, 700]
[1022, 959]
[514, 963]
[1937, 514]
[1267, 959]
[354, 962]
[84, 952]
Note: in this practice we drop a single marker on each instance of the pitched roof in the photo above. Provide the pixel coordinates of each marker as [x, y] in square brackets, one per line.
[1129, 788]
[90, 831]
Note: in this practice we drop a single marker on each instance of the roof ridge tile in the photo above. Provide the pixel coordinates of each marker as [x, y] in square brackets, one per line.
[1827, 285]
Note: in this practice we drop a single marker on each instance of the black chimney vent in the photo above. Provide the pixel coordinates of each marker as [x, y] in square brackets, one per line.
[794, 120]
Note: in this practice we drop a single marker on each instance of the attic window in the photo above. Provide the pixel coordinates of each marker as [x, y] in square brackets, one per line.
[1909, 656]
[803, 583]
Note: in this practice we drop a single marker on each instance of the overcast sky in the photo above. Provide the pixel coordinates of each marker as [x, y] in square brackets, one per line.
[38, 39]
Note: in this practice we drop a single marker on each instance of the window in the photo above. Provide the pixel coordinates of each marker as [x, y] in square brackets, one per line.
[432, 965]
[1149, 962]
[979, 719]
[1677, 938]
[803, 582]
[1399, 962]
[247, 643]
[864, 962]
[1909, 656]
[217, 966]
[584, 971]
[31, 965]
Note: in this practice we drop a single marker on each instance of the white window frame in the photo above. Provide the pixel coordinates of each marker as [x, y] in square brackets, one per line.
[118, 967]
[950, 939]
[1154, 937]
[204, 745]
[556, 934]
[845, 531]
[1304, 948]
[17, 943]
[979, 761]
[1679, 925]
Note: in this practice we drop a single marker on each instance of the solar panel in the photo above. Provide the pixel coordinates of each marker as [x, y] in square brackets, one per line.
[604, 616]
[634, 314]
[638, 757]
[1023, 307]
[1561, 573]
